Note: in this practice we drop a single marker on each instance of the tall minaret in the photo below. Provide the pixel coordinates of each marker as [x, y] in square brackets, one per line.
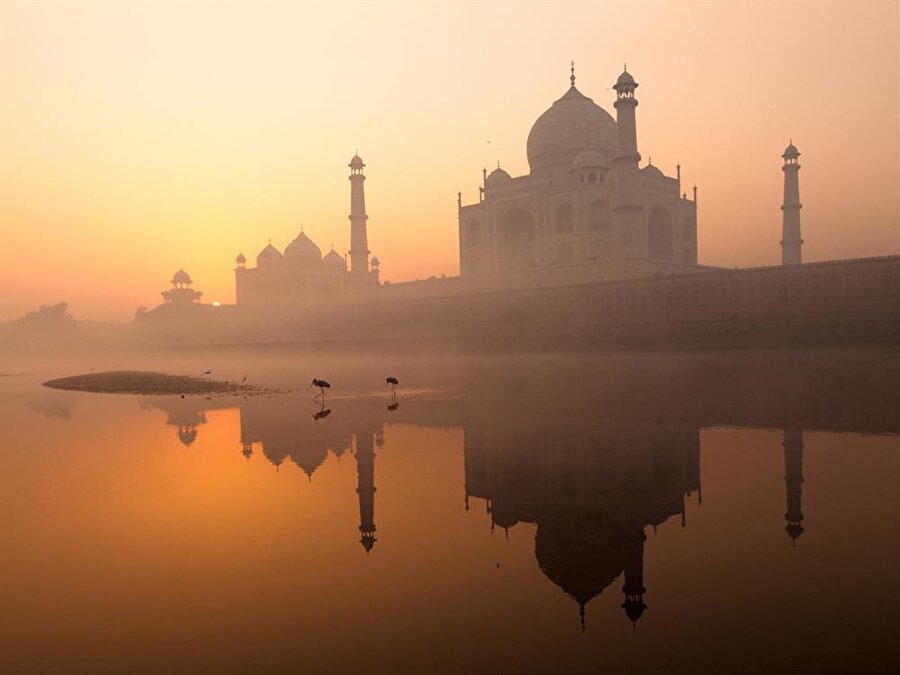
[365, 488]
[791, 241]
[793, 481]
[627, 206]
[359, 238]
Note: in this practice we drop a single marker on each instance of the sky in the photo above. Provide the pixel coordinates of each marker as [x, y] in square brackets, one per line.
[139, 138]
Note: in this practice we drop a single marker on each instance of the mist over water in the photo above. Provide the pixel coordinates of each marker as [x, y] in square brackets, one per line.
[691, 505]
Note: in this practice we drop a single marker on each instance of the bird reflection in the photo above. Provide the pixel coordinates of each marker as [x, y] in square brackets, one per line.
[393, 406]
[322, 413]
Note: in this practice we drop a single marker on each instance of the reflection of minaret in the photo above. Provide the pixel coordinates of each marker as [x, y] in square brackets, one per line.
[365, 488]
[633, 559]
[793, 481]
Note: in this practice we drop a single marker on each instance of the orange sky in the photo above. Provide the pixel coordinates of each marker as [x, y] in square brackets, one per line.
[136, 139]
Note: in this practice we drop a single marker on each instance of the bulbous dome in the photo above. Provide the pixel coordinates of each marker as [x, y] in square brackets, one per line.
[625, 79]
[181, 277]
[651, 170]
[302, 250]
[334, 260]
[356, 162]
[791, 151]
[572, 124]
[496, 177]
[241, 259]
[268, 255]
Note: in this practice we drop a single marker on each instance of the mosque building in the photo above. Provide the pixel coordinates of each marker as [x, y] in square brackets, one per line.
[301, 276]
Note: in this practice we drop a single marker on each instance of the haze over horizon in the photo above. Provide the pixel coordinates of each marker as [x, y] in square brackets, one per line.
[141, 139]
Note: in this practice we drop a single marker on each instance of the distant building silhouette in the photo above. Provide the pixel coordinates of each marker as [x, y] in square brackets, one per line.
[301, 276]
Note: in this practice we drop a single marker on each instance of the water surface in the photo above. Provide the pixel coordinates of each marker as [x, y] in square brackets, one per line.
[726, 513]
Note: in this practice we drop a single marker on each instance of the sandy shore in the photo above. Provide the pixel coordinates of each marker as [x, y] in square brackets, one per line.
[149, 383]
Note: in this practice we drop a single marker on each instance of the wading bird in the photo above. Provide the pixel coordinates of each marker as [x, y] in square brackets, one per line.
[322, 385]
[392, 382]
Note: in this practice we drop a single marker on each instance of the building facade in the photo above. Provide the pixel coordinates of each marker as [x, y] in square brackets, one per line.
[585, 201]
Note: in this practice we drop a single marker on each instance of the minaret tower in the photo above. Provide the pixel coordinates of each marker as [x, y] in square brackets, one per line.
[791, 241]
[627, 206]
[359, 238]
[793, 481]
[365, 488]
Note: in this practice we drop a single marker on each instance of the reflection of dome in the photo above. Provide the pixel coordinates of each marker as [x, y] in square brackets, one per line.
[309, 458]
[181, 277]
[187, 435]
[502, 516]
[497, 177]
[302, 250]
[268, 255]
[581, 563]
[572, 124]
[589, 159]
[334, 259]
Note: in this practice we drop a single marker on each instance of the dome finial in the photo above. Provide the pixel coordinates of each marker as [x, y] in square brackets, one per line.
[625, 67]
[572, 76]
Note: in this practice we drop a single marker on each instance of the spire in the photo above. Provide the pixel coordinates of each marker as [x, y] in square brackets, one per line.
[572, 76]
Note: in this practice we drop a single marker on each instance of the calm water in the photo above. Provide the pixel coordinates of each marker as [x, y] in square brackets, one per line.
[600, 514]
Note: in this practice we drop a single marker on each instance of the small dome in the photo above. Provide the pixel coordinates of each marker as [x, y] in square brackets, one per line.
[496, 177]
[302, 250]
[374, 262]
[334, 259]
[651, 170]
[268, 255]
[791, 151]
[356, 162]
[241, 259]
[181, 277]
[589, 159]
[625, 81]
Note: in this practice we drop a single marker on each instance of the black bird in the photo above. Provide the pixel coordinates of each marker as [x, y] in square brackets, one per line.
[321, 384]
[392, 382]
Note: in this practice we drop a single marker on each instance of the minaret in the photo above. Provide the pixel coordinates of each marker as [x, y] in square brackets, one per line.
[793, 481]
[627, 206]
[633, 555]
[791, 241]
[359, 238]
[365, 488]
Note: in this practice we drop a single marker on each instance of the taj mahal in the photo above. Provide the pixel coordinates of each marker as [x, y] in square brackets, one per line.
[587, 208]
[590, 243]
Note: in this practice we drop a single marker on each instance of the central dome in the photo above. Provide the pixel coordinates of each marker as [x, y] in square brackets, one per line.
[572, 124]
[302, 250]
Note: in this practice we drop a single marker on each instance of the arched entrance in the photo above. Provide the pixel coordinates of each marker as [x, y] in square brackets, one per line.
[515, 243]
[659, 234]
